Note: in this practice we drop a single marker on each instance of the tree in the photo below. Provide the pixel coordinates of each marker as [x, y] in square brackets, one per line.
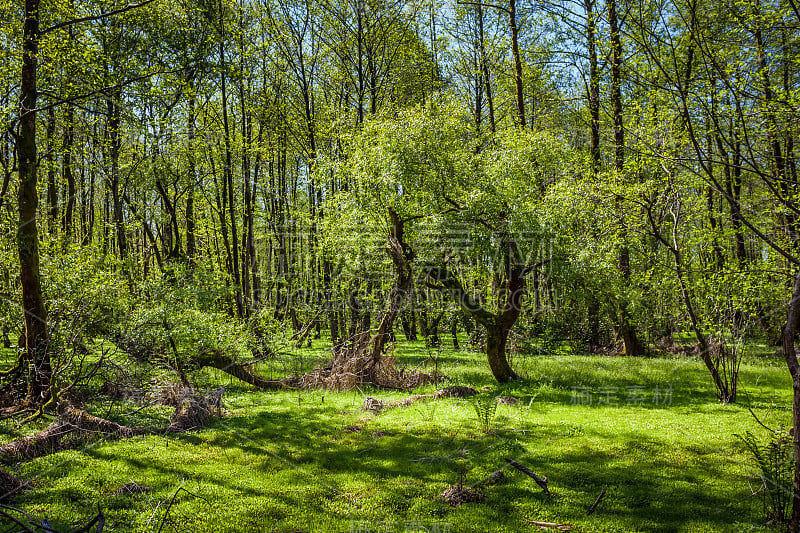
[36, 334]
[418, 168]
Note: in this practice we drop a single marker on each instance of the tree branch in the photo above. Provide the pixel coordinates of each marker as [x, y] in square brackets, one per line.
[91, 18]
[501, 8]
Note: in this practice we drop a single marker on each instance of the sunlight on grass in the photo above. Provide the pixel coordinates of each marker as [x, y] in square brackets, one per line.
[647, 429]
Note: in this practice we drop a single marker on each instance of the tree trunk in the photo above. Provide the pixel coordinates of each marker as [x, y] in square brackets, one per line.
[228, 173]
[789, 333]
[594, 83]
[401, 255]
[496, 338]
[630, 339]
[497, 326]
[485, 69]
[69, 177]
[115, 145]
[36, 334]
[512, 21]
[333, 319]
[52, 190]
[228, 365]
[191, 237]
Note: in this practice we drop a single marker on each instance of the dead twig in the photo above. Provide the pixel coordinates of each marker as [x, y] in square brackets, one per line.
[548, 525]
[760, 423]
[172, 501]
[541, 481]
[592, 508]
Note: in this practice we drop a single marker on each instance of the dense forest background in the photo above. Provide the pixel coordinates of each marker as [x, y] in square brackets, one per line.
[631, 167]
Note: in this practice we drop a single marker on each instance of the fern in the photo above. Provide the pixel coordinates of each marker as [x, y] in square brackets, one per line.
[485, 409]
[775, 463]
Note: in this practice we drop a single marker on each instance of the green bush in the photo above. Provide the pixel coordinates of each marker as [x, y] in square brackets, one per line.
[84, 291]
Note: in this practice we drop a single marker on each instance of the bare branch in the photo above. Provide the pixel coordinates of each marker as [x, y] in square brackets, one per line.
[501, 8]
[91, 18]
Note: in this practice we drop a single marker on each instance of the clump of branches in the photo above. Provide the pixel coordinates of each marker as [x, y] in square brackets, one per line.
[358, 363]
[727, 357]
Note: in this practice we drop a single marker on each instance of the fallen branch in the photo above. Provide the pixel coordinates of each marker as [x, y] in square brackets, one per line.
[541, 481]
[75, 427]
[44, 526]
[376, 405]
[221, 361]
[76, 423]
[172, 502]
[760, 423]
[596, 502]
[548, 525]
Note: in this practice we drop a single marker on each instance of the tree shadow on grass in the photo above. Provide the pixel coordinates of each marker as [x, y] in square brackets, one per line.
[645, 484]
[303, 464]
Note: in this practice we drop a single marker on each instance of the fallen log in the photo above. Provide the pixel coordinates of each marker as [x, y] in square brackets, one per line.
[377, 405]
[226, 363]
[541, 481]
[72, 422]
[75, 427]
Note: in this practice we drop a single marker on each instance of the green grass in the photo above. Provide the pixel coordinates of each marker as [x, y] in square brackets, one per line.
[648, 429]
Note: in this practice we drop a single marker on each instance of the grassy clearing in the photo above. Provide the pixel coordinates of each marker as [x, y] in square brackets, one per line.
[648, 429]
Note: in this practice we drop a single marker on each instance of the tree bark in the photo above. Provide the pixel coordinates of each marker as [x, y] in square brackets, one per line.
[36, 334]
[69, 177]
[520, 99]
[789, 333]
[402, 256]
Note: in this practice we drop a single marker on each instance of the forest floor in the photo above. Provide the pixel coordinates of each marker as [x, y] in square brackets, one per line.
[648, 430]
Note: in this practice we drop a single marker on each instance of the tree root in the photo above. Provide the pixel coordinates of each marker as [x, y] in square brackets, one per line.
[194, 412]
[352, 366]
[457, 494]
